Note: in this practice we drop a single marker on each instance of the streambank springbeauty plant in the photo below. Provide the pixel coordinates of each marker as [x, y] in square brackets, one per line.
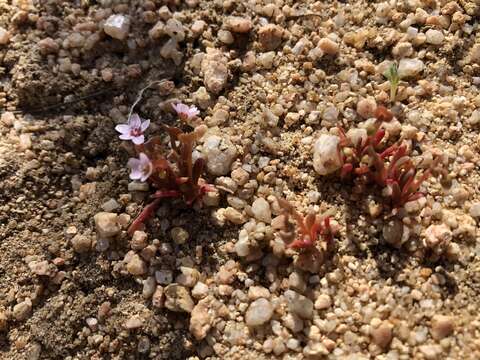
[310, 231]
[392, 168]
[354, 149]
[174, 175]
[400, 176]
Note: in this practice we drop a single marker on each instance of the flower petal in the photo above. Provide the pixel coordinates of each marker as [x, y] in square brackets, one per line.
[136, 174]
[143, 158]
[180, 108]
[123, 128]
[135, 122]
[138, 140]
[133, 163]
[145, 125]
[146, 175]
[126, 136]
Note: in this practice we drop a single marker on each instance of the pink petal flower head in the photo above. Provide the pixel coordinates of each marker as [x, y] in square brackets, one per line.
[141, 168]
[133, 130]
[184, 112]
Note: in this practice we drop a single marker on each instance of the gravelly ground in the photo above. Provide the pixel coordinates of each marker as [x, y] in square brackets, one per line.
[269, 77]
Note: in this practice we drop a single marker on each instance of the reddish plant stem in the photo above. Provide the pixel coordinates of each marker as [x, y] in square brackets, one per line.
[148, 210]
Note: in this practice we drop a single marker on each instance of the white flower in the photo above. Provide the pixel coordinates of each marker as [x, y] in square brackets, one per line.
[141, 168]
[133, 130]
[185, 112]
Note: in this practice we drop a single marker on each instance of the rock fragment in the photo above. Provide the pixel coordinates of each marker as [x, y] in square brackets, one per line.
[238, 24]
[117, 26]
[215, 71]
[4, 36]
[409, 68]
[434, 37]
[382, 335]
[261, 210]
[201, 319]
[177, 298]
[270, 36]
[299, 304]
[81, 243]
[442, 326]
[326, 158]
[134, 322]
[219, 153]
[328, 47]
[136, 266]
[259, 312]
[107, 224]
[22, 310]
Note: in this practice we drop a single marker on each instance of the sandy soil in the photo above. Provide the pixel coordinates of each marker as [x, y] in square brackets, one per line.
[269, 77]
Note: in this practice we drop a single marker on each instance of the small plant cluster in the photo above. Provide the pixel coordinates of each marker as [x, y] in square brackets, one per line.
[366, 157]
[389, 167]
[175, 175]
[310, 229]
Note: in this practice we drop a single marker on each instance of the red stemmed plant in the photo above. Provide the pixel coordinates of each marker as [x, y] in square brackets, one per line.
[401, 175]
[309, 228]
[352, 154]
[391, 167]
[173, 176]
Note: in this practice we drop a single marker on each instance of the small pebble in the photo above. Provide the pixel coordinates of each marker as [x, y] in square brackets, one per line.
[139, 240]
[328, 46]
[261, 210]
[4, 36]
[200, 290]
[323, 302]
[117, 26]
[434, 37]
[475, 210]
[164, 277]
[366, 108]
[22, 310]
[177, 298]
[299, 304]
[410, 68]
[382, 335]
[326, 158]
[259, 312]
[134, 322]
[179, 235]
[442, 326]
[270, 36]
[106, 224]
[174, 29]
[136, 266]
[239, 25]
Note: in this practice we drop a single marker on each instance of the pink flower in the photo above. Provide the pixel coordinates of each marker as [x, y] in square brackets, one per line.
[185, 112]
[133, 130]
[141, 168]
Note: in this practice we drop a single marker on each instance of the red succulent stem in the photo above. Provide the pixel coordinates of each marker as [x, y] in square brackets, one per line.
[161, 194]
[146, 213]
[149, 209]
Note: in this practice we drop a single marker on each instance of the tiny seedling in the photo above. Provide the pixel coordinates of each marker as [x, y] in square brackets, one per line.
[401, 175]
[392, 75]
[309, 228]
[352, 155]
[389, 167]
